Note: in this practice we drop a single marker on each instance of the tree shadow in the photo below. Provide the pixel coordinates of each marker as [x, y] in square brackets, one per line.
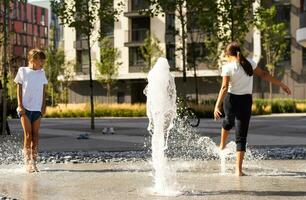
[246, 193]
[97, 171]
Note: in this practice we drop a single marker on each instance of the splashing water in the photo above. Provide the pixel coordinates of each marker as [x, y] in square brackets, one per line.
[161, 111]
[10, 150]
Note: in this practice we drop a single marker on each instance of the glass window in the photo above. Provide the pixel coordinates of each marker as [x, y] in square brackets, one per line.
[170, 54]
[304, 54]
[24, 27]
[136, 58]
[120, 97]
[82, 59]
[195, 52]
[170, 23]
[42, 16]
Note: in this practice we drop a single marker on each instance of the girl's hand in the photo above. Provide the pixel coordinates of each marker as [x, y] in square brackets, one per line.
[217, 113]
[286, 89]
[21, 110]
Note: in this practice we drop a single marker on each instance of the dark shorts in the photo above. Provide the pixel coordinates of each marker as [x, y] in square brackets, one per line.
[31, 115]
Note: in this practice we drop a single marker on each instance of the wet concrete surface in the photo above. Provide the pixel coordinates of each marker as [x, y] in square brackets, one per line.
[267, 179]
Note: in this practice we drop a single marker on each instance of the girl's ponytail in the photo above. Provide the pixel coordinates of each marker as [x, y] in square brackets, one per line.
[245, 64]
[233, 49]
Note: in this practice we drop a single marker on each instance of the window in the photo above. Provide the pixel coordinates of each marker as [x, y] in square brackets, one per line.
[120, 97]
[283, 14]
[82, 59]
[170, 24]
[35, 15]
[140, 28]
[24, 27]
[170, 54]
[304, 54]
[195, 52]
[136, 58]
[43, 15]
[287, 54]
[139, 4]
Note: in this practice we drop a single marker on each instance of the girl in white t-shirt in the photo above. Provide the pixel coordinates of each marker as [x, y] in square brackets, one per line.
[31, 83]
[236, 91]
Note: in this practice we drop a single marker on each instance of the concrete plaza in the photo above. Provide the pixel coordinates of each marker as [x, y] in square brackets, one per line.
[267, 180]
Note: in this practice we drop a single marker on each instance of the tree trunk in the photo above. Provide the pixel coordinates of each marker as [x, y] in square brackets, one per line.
[270, 90]
[108, 88]
[182, 19]
[92, 114]
[4, 90]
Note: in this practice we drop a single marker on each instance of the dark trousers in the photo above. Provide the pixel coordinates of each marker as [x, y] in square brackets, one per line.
[238, 107]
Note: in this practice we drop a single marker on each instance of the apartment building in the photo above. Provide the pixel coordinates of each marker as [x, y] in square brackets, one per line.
[28, 27]
[129, 32]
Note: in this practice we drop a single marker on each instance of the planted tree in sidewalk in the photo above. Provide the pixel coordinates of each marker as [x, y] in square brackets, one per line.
[273, 37]
[109, 65]
[66, 79]
[82, 15]
[223, 22]
[151, 50]
[55, 59]
[179, 8]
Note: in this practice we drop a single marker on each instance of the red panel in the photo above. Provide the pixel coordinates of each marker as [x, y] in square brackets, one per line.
[38, 15]
[29, 12]
[18, 51]
[18, 27]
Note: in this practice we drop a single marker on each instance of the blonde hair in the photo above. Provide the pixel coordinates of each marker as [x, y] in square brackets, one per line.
[36, 54]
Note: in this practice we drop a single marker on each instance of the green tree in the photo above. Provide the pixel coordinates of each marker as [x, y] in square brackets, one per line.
[178, 7]
[66, 78]
[273, 36]
[151, 50]
[82, 15]
[109, 65]
[55, 59]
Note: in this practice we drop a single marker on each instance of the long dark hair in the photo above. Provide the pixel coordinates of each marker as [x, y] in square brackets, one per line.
[233, 49]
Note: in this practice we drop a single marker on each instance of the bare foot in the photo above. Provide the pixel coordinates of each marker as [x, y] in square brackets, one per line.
[222, 146]
[34, 166]
[240, 173]
[29, 168]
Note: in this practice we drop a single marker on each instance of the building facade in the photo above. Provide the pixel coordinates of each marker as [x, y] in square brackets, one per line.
[53, 22]
[28, 27]
[129, 33]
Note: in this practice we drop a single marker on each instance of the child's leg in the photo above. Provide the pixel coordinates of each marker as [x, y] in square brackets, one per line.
[239, 161]
[27, 130]
[35, 132]
[224, 135]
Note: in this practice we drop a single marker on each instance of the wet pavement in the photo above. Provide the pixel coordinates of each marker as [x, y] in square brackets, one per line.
[269, 179]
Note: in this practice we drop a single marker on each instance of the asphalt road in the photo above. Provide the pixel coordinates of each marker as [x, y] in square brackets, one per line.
[130, 133]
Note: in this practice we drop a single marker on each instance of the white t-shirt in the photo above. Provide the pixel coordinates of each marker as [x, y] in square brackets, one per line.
[32, 87]
[240, 83]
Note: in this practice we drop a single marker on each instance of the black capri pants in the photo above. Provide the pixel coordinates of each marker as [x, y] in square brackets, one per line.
[238, 107]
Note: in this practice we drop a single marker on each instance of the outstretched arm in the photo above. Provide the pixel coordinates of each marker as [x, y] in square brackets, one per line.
[267, 77]
[222, 93]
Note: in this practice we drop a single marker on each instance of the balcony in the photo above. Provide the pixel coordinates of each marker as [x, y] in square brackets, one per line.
[301, 32]
[135, 6]
[136, 37]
